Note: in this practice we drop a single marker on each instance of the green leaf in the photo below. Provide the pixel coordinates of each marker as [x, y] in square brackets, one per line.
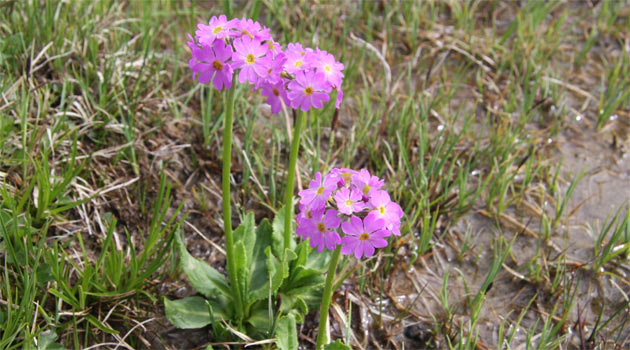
[305, 284]
[286, 333]
[337, 345]
[190, 312]
[242, 265]
[293, 303]
[304, 277]
[259, 282]
[46, 341]
[302, 254]
[318, 261]
[278, 232]
[246, 233]
[310, 258]
[203, 277]
[278, 269]
[275, 270]
[259, 319]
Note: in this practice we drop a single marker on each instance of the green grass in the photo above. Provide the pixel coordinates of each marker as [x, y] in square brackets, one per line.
[469, 110]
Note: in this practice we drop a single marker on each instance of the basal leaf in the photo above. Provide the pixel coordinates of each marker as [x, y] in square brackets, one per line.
[278, 232]
[46, 341]
[203, 277]
[242, 265]
[286, 333]
[318, 261]
[303, 276]
[246, 233]
[306, 284]
[259, 282]
[293, 302]
[301, 251]
[279, 269]
[260, 320]
[190, 312]
[275, 270]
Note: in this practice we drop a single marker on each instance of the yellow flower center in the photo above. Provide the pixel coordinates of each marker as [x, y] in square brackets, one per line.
[250, 59]
[381, 209]
[327, 68]
[364, 236]
[366, 189]
[349, 202]
[247, 33]
[321, 227]
[217, 30]
[276, 92]
[309, 91]
[346, 176]
[217, 65]
[309, 214]
[320, 190]
[298, 64]
[270, 44]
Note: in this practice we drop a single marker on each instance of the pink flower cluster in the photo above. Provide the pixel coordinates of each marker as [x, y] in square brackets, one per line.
[296, 76]
[353, 201]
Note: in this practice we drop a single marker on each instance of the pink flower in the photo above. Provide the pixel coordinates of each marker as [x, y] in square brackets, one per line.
[385, 209]
[325, 63]
[297, 47]
[306, 211]
[320, 230]
[308, 90]
[349, 202]
[296, 60]
[276, 95]
[363, 236]
[318, 191]
[345, 175]
[251, 57]
[217, 28]
[367, 183]
[213, 65]
[191, 44]
[275, 70]
[307, 215]
[274, 47]
[339, 97]
[246, 27]
[382, 217]
[394, 228]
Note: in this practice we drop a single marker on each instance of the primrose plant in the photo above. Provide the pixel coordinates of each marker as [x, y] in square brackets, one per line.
[272, 281]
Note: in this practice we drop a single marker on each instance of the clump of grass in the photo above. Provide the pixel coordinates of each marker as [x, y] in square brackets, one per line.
[613, 240]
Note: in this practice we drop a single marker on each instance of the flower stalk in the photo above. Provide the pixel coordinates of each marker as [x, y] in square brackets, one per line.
[322, 339]
[288, 198]
[228, 121]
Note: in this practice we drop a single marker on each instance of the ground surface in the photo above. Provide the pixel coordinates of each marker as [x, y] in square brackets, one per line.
[501, 127]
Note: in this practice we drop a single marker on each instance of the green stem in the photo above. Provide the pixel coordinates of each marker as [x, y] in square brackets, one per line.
[288, 192]
[228, 120]
[326, 299]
